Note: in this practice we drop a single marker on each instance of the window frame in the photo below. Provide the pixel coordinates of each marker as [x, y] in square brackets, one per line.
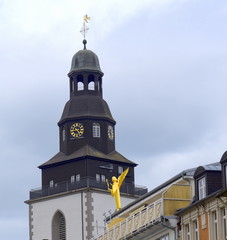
[224, 222]
[195, 230]
[96, 130]
[215, 225]
[201, 182]
[97, 177]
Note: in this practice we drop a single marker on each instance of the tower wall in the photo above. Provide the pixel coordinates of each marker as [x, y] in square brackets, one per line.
[83, 212]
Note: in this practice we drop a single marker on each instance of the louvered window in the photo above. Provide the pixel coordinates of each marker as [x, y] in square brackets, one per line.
[62, 235]
[58, 227]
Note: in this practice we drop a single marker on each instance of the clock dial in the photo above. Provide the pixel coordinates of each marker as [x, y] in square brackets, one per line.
[77, 130]
[110, 132]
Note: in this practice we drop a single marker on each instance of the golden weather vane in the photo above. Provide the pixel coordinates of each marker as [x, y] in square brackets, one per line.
[115, 190]
[85, 28]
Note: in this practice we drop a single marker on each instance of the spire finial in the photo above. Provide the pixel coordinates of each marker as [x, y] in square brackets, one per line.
[84, 29]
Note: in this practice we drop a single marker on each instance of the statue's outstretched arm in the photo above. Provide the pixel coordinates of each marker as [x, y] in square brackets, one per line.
[122, 177]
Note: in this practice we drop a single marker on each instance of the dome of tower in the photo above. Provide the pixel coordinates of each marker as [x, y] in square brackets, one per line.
[85, 60]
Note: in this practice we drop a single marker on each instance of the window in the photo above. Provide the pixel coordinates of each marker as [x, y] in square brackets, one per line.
[195, 230]
[120, 170]
[215, 226]
[204, 221]
[224, 231]
[58, 227]
[91, 82]
[103, 178]
[202, 188]
[80, 86]
[187, 232]
[73, 179]
[78, 177]
[166, 237]
[80, 83]
[96, 130]
[97, 177]
[91, 86]
[51, 184]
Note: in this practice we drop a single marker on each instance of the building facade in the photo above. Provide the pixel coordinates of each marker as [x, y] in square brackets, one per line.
[205, 217]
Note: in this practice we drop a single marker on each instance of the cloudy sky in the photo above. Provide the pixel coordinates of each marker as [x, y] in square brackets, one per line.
[165, 65]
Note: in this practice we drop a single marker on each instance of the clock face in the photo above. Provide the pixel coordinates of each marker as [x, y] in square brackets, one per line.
[77, 130]
[110, 132]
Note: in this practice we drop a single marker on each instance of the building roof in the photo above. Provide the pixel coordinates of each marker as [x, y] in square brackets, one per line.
[86, 152]
[85, 60]
[86, 106]
[224, 157]
[210, 167]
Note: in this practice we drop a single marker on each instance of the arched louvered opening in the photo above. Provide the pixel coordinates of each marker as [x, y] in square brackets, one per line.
[91, 82]
[80, 83]
[58, 227]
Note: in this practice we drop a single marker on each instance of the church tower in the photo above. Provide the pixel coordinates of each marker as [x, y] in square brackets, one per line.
[73, 197]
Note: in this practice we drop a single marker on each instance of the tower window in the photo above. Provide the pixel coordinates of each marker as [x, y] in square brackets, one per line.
[58, 227]
[98, 177]
[120, 170]
[103, 178]
[78, 177]
[96, 130]
[72, 178]
[80, 83]
[51, 184]
[91, 82]
[80, 86]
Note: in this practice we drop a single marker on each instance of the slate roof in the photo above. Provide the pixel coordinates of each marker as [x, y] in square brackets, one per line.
[86, 106]
[85, 60]
[86, 151]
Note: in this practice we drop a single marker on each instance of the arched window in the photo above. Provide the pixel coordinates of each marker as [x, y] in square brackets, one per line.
[80, 83]
[58, 227]
[96, 130]
[91, 82]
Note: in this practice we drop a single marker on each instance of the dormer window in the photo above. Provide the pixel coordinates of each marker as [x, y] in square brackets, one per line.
[202, 188]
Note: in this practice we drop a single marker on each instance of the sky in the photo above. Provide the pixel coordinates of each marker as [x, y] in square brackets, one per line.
[165, 72]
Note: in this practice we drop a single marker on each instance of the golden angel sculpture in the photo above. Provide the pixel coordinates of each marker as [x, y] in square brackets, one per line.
[115, 190]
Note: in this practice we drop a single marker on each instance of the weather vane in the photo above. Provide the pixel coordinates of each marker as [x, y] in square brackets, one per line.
[85, 28]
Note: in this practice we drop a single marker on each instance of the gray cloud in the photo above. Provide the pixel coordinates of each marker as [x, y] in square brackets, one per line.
[165, 83]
